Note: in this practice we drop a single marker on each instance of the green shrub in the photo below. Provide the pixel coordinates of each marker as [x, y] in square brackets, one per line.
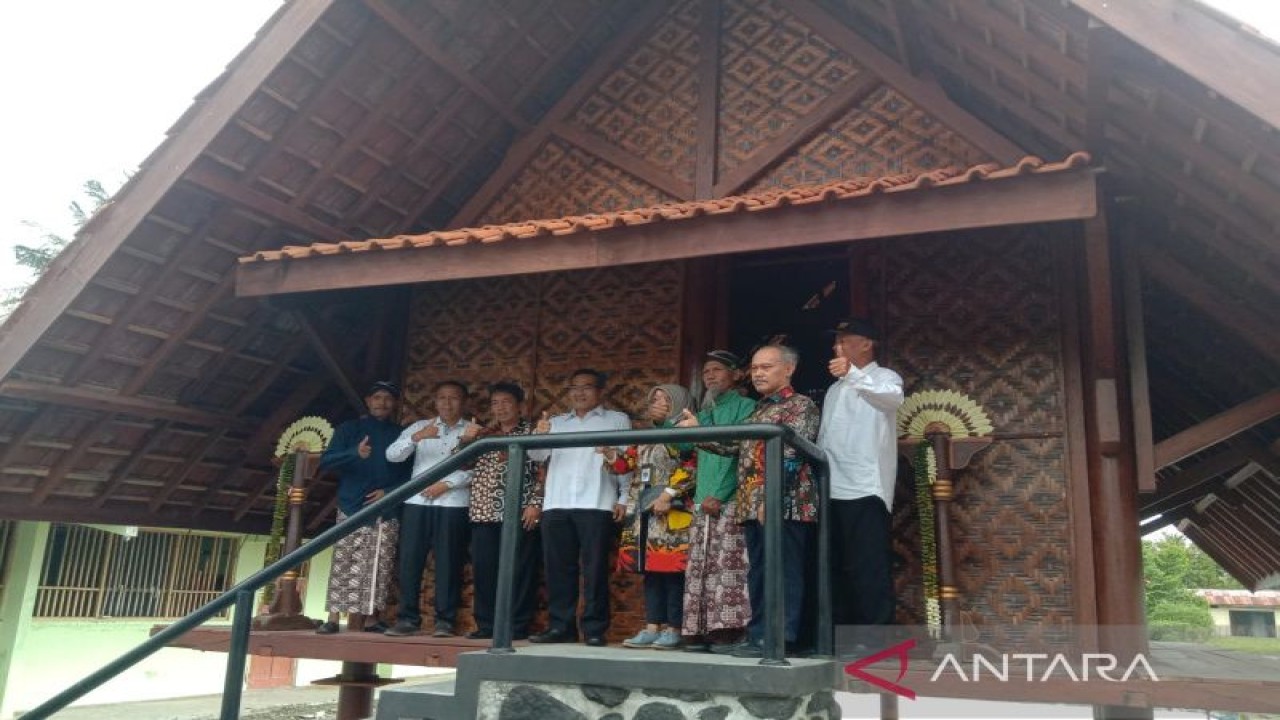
[1187, 622]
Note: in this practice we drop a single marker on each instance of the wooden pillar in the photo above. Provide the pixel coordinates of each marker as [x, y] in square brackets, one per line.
[943, 493]
[286, 608]
[1112, 479]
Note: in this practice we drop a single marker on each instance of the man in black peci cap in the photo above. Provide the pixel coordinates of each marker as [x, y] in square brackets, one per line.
[364, 560]
[716, 609]
[859, 435]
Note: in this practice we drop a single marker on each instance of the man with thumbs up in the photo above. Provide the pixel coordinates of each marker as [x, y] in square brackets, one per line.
[434, 522]
[582, 502]
[364, 560]
[859, 434]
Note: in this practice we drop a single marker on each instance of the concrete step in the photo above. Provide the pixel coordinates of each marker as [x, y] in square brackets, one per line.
[429, 700]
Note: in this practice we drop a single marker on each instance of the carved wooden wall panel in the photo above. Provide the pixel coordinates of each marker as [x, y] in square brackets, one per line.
[563, 180]
[885, 135]
[773, 71]
[979, 314]
[646, 106]
[536, 329]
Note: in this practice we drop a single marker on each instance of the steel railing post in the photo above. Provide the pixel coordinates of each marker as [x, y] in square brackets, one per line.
[503, 601]
[233, 684]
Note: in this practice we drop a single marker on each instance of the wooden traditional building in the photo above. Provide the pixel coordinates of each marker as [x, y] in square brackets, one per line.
[1065, 210]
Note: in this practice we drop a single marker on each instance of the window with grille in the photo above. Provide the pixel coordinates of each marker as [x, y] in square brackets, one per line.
[88, 572]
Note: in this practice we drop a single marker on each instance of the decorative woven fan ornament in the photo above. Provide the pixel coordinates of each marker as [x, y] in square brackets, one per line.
[925, 413]
[311, 433]
[307, 434]
[931, 411]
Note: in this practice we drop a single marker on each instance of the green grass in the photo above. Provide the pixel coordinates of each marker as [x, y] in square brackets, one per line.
[1258, 646]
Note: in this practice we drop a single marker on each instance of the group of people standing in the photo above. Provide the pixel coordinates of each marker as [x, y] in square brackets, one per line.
[693, 514]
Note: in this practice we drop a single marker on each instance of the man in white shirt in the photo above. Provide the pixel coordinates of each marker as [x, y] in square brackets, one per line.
[582, 502]
[435, 520]
[859, 434]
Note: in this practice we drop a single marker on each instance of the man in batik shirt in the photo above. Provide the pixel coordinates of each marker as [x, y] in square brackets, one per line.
[488, 499]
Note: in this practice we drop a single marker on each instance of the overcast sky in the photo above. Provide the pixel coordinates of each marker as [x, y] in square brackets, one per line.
[92, 86]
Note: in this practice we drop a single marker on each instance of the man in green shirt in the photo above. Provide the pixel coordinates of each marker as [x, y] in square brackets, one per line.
[716, 608]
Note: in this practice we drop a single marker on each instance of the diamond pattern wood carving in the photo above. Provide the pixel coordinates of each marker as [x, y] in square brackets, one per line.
[646, 106]
[563, 180]
[773, 71]
[885, 135]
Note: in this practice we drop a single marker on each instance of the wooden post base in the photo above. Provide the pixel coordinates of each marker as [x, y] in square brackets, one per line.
[355, 689]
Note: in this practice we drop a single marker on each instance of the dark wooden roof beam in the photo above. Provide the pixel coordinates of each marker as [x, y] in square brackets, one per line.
[180, 334]
[117, 477]
[903, 22]
[261, 444]
[86, 399]
[923, 93]
[67, 461]
[438, 55]
[987, 24]
[1002, 66]
[325, 348]
[1218, 428]
[527, 145]
[1248, 324]
[1012, 103]
[1213, 167]
[173, 483]
[446, 113]
[1190, 39]
[1190, 484]
[229, 189]
[110, 227]
[708, 108]
[125, 316]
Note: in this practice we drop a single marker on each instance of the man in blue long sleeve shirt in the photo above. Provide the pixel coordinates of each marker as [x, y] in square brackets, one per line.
[364, 560]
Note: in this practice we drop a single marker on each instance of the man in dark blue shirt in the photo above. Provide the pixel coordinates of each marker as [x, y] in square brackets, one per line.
[364, 561]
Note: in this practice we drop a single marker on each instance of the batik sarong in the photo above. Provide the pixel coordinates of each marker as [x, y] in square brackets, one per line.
[363, 565]
[715, 583]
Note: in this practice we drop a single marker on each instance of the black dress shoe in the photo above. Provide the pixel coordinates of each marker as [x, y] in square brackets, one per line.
[728, 648]
[554, 636]
[443, 630]
[378, 627]
[401, 628]
[596, 641]
[479, 635]
[327, 628]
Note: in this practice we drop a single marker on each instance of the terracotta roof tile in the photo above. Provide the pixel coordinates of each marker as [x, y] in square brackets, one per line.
[1241, 598]
[768, 200]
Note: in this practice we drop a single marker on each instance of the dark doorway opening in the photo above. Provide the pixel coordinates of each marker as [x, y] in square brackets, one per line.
[794, 298]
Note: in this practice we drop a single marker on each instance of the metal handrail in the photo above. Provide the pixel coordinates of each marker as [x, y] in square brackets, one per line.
[241, 595]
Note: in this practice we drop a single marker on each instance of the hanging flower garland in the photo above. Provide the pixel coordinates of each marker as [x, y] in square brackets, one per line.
[923, 413]
[284, 480]
[310, 434]
[926, 474]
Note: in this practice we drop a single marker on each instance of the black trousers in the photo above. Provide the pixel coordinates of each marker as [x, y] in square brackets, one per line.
[576, 543]
[664, 598]
[861, 578]
[797, 538]
[486, 539]
[427, 530]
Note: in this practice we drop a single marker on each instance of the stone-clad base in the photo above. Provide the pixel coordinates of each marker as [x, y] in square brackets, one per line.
[505, 700]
